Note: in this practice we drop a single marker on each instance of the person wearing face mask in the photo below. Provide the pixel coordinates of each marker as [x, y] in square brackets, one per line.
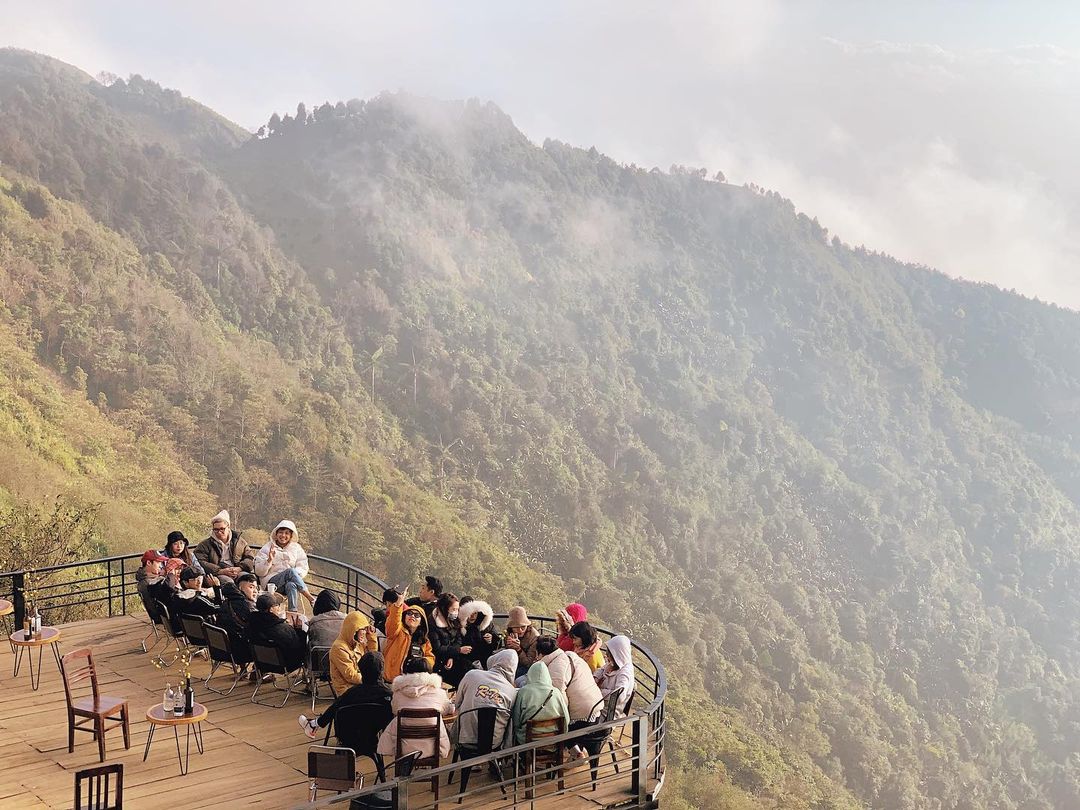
[445, 636]
[267, 625]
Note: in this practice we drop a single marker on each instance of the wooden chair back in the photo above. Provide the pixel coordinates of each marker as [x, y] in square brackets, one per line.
[96, 781]
[426, 724]
[538, 730]
[75, 667]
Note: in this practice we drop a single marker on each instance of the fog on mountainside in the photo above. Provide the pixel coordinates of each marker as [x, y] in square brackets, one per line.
[837, 494]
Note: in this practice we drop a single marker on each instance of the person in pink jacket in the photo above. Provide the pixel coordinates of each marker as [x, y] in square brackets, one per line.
[418, 688]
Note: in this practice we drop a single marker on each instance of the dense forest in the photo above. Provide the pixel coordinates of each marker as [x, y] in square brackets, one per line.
[836, 493]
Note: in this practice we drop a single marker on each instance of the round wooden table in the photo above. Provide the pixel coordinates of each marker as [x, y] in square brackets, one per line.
[50, 636]
[157, 716]
[6, 609]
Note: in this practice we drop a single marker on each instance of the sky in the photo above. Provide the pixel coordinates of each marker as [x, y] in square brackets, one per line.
[941, 133]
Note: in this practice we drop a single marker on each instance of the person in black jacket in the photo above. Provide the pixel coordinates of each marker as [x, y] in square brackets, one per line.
[238, 603]
[477, 634]
[445, 637]
[192, 599]
[371, 689]
[267, 625]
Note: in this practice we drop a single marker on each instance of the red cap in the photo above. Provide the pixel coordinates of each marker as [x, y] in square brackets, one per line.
[151, 554]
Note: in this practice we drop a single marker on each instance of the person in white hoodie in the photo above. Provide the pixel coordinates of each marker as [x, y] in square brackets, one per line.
[617, 672]
[283, 563]
[493, 686]
[571, 676]
[418, 688]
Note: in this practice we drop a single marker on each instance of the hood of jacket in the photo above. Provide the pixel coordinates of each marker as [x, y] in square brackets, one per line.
[505, 663]
[578, 612]
[538, 675]
[354, 622]
[619, 647]
[417, 684]
[326, 602]
[286, 524]
[474, 607]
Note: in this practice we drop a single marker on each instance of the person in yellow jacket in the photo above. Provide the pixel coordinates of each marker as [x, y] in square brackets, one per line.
[356, 637]
[406, 634]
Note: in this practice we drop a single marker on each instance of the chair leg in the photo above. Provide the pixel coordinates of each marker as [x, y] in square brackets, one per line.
[99, 732]
[380, 768]
[453, 759]
[127, 727]
[614, 759]
[464, 782]
[71, 731]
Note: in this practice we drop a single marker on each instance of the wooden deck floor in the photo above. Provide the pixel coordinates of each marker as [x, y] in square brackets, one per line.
[255, 755]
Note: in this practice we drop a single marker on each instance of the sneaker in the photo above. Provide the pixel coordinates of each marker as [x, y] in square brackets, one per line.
[577, 752]
[310, 727]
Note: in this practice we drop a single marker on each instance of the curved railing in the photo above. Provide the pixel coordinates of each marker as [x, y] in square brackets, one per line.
[106, 587]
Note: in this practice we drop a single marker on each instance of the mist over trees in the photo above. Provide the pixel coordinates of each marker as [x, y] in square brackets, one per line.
[836, 493]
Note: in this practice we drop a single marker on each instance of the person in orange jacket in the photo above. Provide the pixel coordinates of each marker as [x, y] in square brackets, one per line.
[406, 634]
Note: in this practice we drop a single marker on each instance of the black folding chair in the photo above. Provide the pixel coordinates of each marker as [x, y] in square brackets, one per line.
[156, 620]
[358, 726]
[270, 661]
[594, 743]
[193, 632]
[331, 768]
[318, 673]
[486, 720]
[221, 652]
[177, 636]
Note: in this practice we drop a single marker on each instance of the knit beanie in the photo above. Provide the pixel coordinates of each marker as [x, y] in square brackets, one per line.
[222, 515]
[518, 617]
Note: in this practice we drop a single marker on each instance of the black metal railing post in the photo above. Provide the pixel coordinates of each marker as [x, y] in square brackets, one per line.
[18, 598]
[108, 585]
[639, 779]
[123, 590]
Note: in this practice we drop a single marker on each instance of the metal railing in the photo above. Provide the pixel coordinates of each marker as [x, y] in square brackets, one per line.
[107, 587]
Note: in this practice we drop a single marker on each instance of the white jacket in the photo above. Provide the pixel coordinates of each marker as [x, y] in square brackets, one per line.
[292, 556]
[572, 676]
[609, 679]
[420, 690]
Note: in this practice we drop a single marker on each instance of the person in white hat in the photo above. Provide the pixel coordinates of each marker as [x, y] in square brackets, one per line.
[283, 563]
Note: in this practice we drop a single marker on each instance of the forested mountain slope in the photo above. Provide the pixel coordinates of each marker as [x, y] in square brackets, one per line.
[835, 492]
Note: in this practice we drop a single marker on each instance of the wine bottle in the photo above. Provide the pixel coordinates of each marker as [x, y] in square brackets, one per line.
[189, 698]
[170, 699]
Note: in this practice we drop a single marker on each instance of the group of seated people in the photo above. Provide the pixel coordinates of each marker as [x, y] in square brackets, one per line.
[439, 652]
[438, 645]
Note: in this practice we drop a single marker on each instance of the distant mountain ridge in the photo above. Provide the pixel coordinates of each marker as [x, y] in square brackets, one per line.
[836, 493]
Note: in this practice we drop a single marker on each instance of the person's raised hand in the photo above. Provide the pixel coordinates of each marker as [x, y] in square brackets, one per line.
[466, 650]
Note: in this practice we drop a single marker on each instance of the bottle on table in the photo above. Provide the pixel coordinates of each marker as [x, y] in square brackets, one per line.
[170, 699]
[189, 698]
[178, 703]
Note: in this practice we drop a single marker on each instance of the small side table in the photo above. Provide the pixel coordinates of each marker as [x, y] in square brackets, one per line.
[50, 636]
[157, 716]
[6, 609]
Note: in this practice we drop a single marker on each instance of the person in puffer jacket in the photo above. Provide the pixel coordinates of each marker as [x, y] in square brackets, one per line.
[618, 672]
[572, 676]
[406, 635]
[416, 689]
[357, 636]
[538, 699]
[477, 633]
[283, 563]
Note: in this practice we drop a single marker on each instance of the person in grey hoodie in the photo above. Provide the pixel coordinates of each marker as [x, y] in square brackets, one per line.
[491, 687]
[325, 625]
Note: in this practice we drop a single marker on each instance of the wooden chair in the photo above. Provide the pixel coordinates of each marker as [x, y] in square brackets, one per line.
[486, 720]
[97, 784]
[426, 725]
[76, 667]
[331, 768]
[549, 757]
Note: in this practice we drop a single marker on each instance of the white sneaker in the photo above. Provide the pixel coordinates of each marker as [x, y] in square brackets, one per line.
[310, 727]
[577, 752]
